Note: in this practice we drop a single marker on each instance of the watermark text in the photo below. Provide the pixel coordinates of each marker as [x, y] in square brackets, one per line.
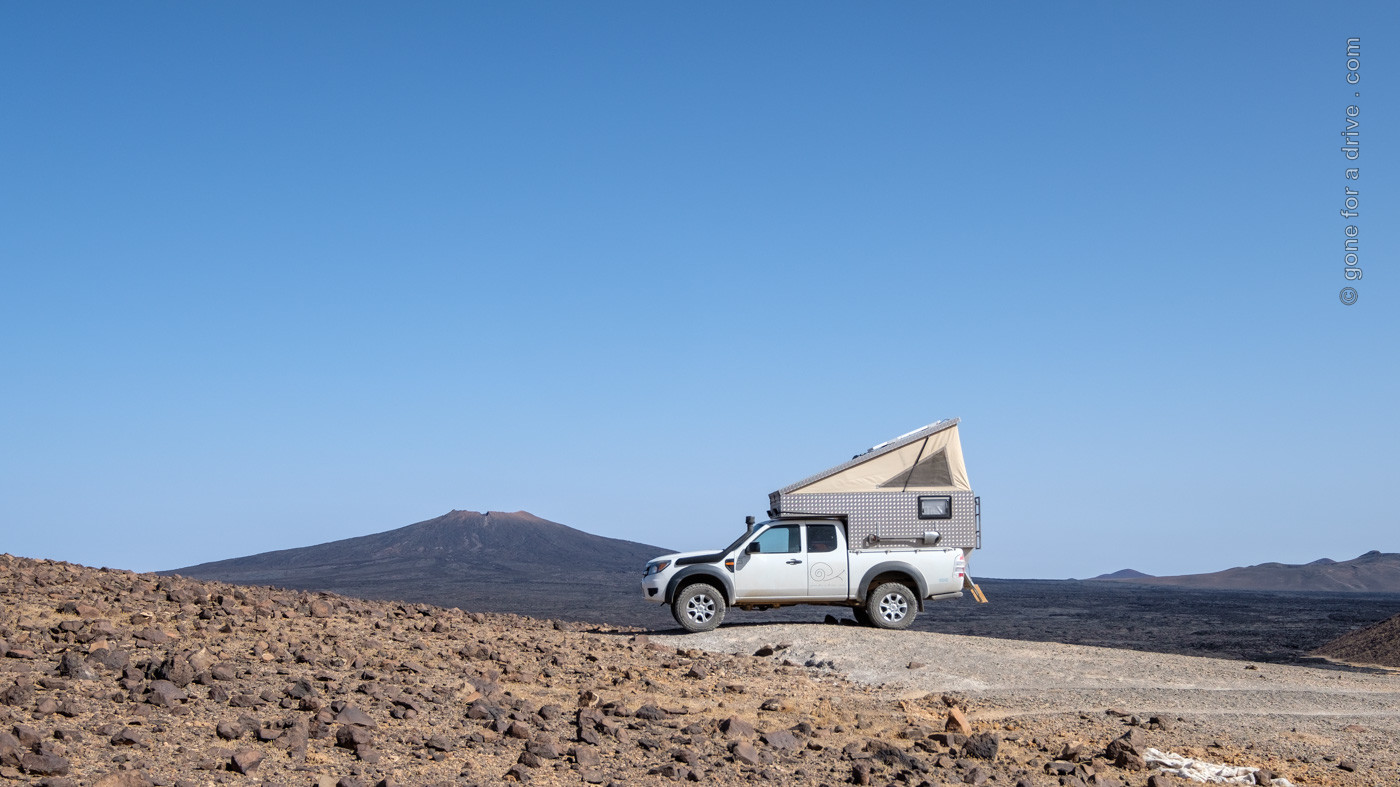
[1351, 194]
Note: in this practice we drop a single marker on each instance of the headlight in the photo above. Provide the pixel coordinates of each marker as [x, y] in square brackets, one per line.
[656, 567]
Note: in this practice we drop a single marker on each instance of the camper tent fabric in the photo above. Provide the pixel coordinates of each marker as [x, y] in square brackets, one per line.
[878, 492]
[927, 459]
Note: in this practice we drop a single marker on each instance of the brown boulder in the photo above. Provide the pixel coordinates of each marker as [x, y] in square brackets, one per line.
[957, 722]
[245, 761]
[543, 748]
[353, 715]
[1132, 742]
[152, 636]
[350, 736]
[44, 764]
[175, 669]
[164, 694]
[17, 694]
[651, 713]
[735, 727]
[129, 737]
[781, 739]
[10, 750]
[1129, 761]
[201, 660]
[28, 736]
[745, 753]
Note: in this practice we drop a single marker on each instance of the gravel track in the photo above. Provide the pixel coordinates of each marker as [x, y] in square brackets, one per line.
[1264, 708]
[1036, 676]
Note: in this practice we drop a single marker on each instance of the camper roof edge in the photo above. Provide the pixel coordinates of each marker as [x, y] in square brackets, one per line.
[877, 450]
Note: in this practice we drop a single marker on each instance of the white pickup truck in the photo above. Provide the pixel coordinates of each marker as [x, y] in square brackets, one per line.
[882, 532]
[806, 561]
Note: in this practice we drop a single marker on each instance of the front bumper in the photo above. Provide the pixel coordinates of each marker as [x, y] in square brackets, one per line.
[654, 588]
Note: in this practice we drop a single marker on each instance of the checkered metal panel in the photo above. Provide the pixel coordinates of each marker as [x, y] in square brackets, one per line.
[888, 515]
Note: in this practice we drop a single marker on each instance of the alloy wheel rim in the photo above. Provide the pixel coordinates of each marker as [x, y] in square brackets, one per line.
[893, 607]
[701, 609]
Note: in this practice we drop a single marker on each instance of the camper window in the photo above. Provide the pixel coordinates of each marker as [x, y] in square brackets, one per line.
[784, 539]
[821, 538]
[935, 507]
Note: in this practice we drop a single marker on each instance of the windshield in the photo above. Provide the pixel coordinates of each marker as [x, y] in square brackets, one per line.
[741, 539]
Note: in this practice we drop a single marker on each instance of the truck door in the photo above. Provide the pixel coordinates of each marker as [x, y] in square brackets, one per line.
[826, 563]
[775, 567]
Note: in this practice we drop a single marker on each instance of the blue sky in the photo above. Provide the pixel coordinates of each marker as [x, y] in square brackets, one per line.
[274, 275]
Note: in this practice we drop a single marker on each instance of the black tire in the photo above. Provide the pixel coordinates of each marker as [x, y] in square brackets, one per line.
[700, 607]
[891, 606]
[862, 617]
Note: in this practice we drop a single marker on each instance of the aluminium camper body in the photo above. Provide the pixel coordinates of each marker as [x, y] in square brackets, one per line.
[895, 492]
[881, 533]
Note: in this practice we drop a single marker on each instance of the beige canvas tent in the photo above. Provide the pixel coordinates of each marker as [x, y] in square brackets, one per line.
[898, 490]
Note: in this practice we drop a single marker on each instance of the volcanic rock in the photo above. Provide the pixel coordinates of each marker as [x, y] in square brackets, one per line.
[957, 721]
[382, 692]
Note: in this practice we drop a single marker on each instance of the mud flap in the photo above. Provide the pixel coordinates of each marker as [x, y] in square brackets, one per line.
[971, 586]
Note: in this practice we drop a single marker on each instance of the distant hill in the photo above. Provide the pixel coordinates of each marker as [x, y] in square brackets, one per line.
[1373, 572]
[491, 562]
[1375, 644]
[1123, 573]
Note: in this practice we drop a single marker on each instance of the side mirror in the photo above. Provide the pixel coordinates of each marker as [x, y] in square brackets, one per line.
[932, 537]
[754, 548]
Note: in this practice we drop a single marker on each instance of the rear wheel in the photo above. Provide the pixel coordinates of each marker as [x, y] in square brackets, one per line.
[891, 606]
[700, 607]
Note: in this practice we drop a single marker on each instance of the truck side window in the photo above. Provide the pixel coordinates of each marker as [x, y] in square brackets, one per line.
[821, 538]
[787, 538]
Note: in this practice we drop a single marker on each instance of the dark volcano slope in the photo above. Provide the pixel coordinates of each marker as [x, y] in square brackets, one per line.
[491, 562]
[1375, 644]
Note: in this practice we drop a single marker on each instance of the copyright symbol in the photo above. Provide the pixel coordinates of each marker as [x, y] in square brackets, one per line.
[1348, 295]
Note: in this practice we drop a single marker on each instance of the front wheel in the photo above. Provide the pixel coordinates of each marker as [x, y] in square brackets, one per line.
[891, 606]
[700, 607]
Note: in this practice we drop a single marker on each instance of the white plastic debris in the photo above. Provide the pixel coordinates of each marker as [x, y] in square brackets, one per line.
[1202, 771]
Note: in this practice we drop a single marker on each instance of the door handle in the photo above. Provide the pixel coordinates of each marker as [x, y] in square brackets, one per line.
[794, 562]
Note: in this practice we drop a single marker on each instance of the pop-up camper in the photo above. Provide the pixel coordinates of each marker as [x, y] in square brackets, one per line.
[894, 492]
[882, 533]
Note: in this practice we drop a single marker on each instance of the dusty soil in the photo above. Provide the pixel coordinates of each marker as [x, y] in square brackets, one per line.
[118, 679]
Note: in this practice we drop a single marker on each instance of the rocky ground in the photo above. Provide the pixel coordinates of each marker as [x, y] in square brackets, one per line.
[119, 679]
[1377, 645]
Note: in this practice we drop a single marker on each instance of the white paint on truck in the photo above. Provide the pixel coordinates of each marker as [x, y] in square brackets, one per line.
[805, 561]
